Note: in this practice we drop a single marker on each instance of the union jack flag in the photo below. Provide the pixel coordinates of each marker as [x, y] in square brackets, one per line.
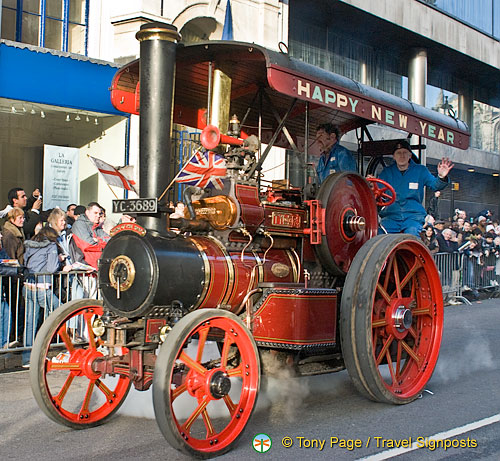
[205, 169]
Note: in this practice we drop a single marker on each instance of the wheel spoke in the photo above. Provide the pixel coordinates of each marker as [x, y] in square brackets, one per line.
[88, 320]
[411, 352]
[202, 337]
[388, 272]
[65, 337]
[412, 332]
[199, 409]
[229, 404]
[410, 274]
[396, 279]
[225, 350]
[88, 395]
[208, 423]
[103, 388]
[384, 349]
[238, 371]
[193, 365]
[51, 366]
[178, 391]
[384, 293]
[379, 323]
[64, 389]
[391, 367]
[398, 360]
[416, 312]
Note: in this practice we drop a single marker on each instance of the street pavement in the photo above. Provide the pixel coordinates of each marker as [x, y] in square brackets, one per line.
[463, 402]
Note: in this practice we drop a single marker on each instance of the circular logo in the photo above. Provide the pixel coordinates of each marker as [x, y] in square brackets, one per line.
[262, 443]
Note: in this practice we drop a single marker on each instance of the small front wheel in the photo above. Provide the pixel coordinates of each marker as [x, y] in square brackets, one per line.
[206, 381]
[63, 381]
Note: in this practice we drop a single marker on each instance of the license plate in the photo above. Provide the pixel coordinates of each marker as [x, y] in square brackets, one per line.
[135, 205]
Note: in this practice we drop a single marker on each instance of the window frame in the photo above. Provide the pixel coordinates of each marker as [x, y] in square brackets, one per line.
[43, 17]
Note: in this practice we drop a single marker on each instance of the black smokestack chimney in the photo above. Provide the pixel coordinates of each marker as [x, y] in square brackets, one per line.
[157, 74]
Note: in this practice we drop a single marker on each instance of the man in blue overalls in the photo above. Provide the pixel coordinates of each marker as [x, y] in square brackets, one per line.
[334, 157]
[408, 178]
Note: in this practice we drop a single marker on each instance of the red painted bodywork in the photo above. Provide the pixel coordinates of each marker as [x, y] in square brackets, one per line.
[290, 318]
[252, 213]
[229, 278]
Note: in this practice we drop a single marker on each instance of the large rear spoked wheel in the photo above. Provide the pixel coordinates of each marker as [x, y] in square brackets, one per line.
[63, 381]
[206, 382]
[391, 318]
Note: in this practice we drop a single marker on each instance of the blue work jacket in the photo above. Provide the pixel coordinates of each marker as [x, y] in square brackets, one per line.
[339, 159]
[409, 187]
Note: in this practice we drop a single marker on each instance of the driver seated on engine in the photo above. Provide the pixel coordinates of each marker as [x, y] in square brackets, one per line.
[408, 179]
[334, 157]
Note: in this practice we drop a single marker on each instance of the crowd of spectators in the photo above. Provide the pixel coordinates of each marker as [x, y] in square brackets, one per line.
[35, 242]
[477, 238]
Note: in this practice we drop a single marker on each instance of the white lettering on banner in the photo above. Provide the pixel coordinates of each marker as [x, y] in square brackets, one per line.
[60, 176]
[378, 113]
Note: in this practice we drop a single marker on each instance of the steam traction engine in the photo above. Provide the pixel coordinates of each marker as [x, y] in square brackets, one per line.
[251, 282]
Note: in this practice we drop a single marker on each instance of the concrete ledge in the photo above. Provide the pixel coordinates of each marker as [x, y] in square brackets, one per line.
[10, 361]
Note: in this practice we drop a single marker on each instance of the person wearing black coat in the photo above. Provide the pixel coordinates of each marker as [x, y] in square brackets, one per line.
[445, 242]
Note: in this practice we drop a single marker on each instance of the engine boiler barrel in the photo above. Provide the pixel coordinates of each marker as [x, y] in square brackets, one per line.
[138, 273]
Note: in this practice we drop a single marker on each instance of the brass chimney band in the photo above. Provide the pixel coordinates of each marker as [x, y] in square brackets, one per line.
[159, 33]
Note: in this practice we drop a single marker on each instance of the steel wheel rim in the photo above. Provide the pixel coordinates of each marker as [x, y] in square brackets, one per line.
[196, 384]
[405, 289]
[78, 365]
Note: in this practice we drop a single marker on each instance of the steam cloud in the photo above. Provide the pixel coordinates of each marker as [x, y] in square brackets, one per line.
[476, 356]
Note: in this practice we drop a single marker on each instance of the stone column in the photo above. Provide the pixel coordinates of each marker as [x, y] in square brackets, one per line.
[417, 81]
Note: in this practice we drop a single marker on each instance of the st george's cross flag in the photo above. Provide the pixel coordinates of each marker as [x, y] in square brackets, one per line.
[114, 176]
[205, 169]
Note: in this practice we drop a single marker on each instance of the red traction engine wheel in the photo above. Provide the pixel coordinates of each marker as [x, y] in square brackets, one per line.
[206, 382]
[350, 220]
[63, 381]
[391, 318]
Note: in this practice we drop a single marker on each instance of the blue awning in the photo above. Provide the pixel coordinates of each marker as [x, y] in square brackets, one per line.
[43, 76]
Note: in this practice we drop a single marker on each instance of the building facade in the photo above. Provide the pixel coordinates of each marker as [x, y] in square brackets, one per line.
[438, 53]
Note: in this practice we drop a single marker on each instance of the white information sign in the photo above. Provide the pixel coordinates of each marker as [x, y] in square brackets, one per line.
[60, 176]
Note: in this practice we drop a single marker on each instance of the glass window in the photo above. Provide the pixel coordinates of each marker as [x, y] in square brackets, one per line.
[496, 18]
[77, 11]
[31, 6]
[54, 9]
[65, 25]
[53, 34]
[486, 127]
[30, 29]
[441, 100]
[8, 24]
[76, 39]
[477, 13]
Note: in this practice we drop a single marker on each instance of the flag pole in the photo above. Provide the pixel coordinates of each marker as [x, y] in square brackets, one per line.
[180, 171]
[116, 196]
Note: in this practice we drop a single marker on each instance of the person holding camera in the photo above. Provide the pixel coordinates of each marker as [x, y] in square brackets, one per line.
[17, 199]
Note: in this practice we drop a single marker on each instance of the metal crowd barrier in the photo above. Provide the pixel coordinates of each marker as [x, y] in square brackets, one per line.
[461, 273]
[480, 273]
[449, 267]
[25, 303]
